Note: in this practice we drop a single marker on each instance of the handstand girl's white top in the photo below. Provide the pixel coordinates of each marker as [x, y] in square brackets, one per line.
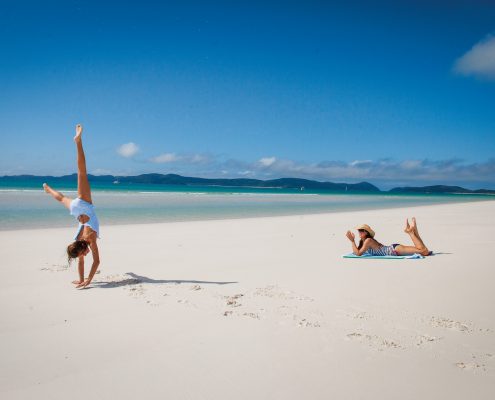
[80, 207]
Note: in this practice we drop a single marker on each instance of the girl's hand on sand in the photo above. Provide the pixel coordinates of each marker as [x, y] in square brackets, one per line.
[84, 284]
[350, 236]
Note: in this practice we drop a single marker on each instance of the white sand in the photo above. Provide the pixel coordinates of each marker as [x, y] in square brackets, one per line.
[299, 322]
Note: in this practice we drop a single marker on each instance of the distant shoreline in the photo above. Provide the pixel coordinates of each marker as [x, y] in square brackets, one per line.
[173, 180]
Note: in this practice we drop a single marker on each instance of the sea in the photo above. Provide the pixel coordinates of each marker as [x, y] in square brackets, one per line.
[25, 205]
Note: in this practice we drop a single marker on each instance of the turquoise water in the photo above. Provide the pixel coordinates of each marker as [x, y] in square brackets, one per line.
[27, 206]
[36, 183]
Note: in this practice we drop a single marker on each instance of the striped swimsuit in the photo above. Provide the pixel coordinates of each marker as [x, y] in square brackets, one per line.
[382, 251]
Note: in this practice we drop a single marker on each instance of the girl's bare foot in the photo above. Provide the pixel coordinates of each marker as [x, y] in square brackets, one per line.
[77, 282]
[46, 188]
[79, 130]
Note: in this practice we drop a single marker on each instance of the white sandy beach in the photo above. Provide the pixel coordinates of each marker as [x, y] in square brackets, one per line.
[261, 308]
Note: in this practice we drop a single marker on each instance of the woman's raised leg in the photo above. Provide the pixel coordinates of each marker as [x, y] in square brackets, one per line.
[419, 246]
[418, 242]
[83, 188]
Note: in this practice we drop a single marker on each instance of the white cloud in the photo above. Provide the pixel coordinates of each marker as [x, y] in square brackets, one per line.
[267, 161]
[410, 164]
[479, 61]
[166, 158]
[408, 171]
[360, 163]
[102, 171]
[198, 159]
[128, 149]
[445, 171]
[183, 158]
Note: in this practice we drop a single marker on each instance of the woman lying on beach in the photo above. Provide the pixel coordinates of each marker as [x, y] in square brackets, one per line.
[82, 208]
[368, 245]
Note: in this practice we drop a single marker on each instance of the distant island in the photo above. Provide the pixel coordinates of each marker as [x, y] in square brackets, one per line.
[282, 183]
[440, 189]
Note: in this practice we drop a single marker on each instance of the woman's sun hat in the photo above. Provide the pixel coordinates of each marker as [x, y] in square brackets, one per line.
[367, 228]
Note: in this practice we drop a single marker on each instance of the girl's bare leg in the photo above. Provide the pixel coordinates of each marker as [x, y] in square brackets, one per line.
[57, 195]
[83, 188]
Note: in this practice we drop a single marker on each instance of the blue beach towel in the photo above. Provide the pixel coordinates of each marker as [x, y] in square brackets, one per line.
[414, 256]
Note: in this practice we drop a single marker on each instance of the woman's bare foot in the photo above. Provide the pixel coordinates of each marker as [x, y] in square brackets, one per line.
[79, 130]
[414, 226]
[408, 228]
[46, 188]
[77, 282]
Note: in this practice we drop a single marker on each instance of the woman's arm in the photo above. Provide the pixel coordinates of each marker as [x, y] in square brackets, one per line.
[96, 261]
[355, 250]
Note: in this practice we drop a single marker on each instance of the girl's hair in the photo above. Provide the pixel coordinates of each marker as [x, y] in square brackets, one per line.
[76, 248]
[361, 242]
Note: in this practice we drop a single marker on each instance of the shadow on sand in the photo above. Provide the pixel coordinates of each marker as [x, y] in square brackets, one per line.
[137, 279]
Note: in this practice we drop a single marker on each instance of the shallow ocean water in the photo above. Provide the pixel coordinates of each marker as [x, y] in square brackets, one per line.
[26, 208]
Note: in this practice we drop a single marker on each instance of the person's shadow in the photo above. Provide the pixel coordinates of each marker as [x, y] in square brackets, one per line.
[137, 279]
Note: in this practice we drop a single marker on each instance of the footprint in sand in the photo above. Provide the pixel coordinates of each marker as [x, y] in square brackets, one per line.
[54, 268]
[186, 303]
[274, 291]
[361, 315]
[426, 339]
[309, 319]
[285, 305]
[251, 315]
[282, 308]
[440, 322]
[478, 363]
[305, 323]
[374, 341]
[358, 336]
[471, 366]
[232, 300]
[136, 290]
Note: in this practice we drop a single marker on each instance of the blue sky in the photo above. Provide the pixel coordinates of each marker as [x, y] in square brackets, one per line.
[341, 91]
